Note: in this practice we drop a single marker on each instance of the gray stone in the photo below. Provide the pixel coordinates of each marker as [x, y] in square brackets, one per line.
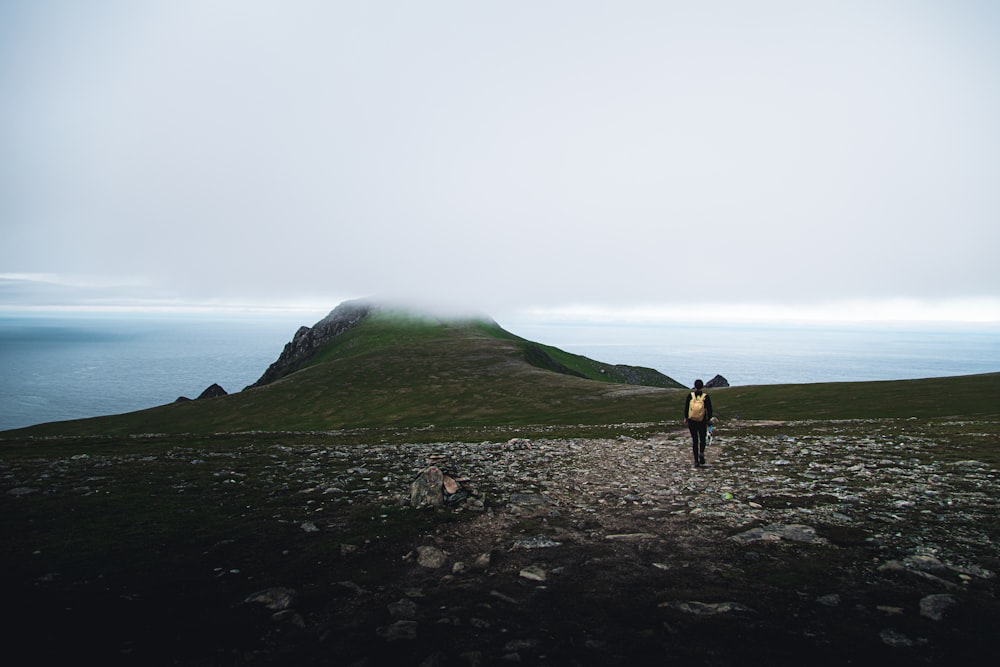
[793, 532]
[404, 609]
[430, 557]
[895, 639]
[630, 537]
[934, 606]
[276, 598]
[289, 617]
[482, 562]
[400, 630]
[536, 542]
[705, 608]
[427, 490]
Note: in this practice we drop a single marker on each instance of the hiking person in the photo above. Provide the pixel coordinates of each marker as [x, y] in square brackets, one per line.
[697, 415]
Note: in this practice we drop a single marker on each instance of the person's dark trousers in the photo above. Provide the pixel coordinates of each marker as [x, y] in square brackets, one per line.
[699, 437]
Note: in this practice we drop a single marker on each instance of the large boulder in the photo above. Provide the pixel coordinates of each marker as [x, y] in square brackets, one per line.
[213, 391]
[716, 382]
[427, 490]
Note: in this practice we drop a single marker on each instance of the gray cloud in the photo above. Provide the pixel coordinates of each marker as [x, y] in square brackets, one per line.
[503, 153]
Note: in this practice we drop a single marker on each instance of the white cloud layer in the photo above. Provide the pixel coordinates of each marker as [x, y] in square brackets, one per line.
[699, 157]
[971, 311]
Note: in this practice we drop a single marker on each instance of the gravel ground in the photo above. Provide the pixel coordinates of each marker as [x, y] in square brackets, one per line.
[839, 542]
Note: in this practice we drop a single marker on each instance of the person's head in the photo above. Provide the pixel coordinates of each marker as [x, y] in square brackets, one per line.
[698, 384]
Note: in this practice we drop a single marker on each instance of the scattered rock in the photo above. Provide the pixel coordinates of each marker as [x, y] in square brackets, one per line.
[352, 587]
[706, 608]
[521, 645]
[873, 489]
[404, 609]
[276, 598]
[431, 557]
[289, 617]
[506, 598]
[530, 504]
[895, 639]
[536, 542]
[934, 606]
[482, 562]
[774, 532]
[427, 490]
[398, 631]
[890, 610]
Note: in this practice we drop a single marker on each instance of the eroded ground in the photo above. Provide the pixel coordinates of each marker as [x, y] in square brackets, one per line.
[832, 542]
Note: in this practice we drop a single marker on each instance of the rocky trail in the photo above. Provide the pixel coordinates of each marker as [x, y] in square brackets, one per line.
[834, 542]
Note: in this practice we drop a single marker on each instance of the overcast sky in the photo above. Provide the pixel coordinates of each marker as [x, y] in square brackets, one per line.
[778, 157]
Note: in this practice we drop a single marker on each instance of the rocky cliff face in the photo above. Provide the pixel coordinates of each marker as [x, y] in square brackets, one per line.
[344, 317]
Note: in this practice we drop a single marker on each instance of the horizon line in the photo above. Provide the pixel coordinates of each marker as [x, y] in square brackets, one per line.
[983, 311]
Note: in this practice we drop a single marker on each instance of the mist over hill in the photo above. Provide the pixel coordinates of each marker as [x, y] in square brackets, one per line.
[307, 342]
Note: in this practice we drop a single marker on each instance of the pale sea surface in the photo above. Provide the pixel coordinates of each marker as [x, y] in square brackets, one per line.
[747, 354]
[54, 368]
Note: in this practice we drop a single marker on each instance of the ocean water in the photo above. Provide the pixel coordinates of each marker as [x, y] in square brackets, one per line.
[54, 368]
[747, 354]
[69, 367]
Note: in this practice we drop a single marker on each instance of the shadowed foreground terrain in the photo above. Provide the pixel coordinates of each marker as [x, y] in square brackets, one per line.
[836, 542]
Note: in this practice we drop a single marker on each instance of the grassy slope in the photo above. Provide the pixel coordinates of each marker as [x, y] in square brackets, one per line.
[971, 396]
[407, 372]
[392, 371]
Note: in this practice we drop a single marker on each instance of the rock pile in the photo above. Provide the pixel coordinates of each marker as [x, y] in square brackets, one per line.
[434, 488]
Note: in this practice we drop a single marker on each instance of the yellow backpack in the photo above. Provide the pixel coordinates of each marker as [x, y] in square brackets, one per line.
[696, 409]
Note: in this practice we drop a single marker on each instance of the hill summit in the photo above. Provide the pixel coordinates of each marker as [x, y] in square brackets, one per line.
[369, 364]
[308, 342]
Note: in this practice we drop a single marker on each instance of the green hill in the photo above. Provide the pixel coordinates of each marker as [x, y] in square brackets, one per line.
[396, 369]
